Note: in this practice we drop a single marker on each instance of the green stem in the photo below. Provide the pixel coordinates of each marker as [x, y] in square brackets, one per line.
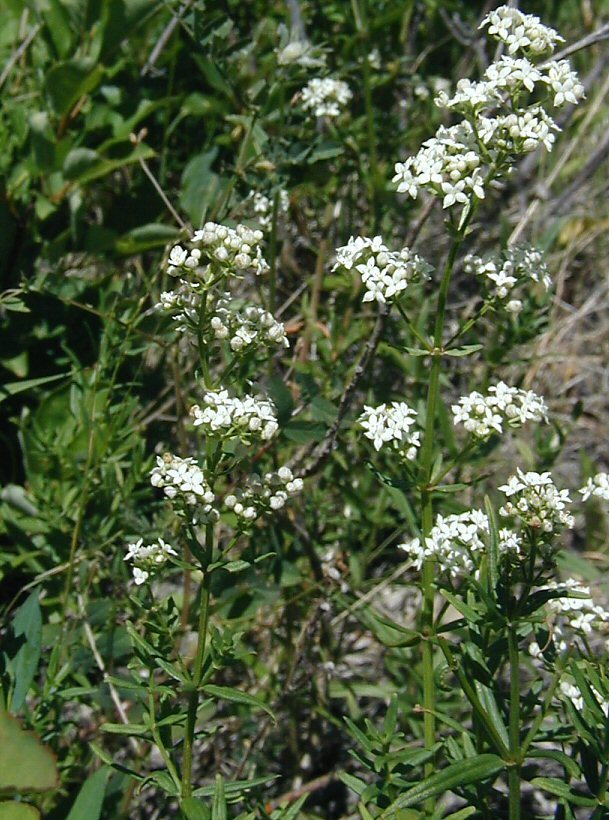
[197, 673]
[514, 726]
[427, 614]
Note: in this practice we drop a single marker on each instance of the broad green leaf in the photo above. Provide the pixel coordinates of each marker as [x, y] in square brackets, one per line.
[304, 431]
[84, 165]
[88, 804]
[67, 82]
[27, 625]
[462, 773]
[145, 237]
[235, 696]
[25, 764]
[200, 186]
[18, 811]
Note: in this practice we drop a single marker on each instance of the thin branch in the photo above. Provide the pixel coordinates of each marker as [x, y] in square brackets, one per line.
[14, 58]
[164, 39]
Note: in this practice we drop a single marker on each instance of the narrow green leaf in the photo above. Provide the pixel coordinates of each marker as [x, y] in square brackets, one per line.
[570, 765]
[559, 788]
[465, 350]
[462, 773]
[235, 696]
[236, 786]
[12, 388]
[493, 554]
[218, 806]
[134, 729]
[354, 783]
[88, 804]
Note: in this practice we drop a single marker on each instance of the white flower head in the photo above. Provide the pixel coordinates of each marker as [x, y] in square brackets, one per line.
[147, 559]
[534, 499]
[392, 424]
[222, 416]
[326, 97]
[596, 487]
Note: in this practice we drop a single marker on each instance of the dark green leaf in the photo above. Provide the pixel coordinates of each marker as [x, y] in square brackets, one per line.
[88, 804]
[27, 624]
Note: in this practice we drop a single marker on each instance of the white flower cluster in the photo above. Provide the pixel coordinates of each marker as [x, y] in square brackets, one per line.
[237, 250]
[147, 559]
[326, 97]
[520, 32]
[575, 612]
[264, 494]
[484, 415]
[227, 417]
[182, 304]
[182, 478]
[456, 541]
[572, 692]
[597, 487]
[244, 328]
[252, 326]
[385, 274]
[263, 206]
[391, 424]
[448, 164]
[534, 499]
[503, 275]
[458, 162]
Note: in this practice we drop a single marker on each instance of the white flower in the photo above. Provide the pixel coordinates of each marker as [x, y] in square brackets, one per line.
[520, 32]
[182, 478]
[384, 273]
[226, 417]
[564, 82]
[502, 275]
[263, 206]
[391, 424]
[569, 691]
[326, 97]
[237, 250]
[457, 541]
[483, 415]
[534, 499]
[597, 486]
[147, 559]
[263, 494]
